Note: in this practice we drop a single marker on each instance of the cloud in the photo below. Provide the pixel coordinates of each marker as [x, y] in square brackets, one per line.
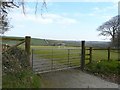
[20, 26]
[59, 19]
[45, 19]
[105, 12]
[105, 9]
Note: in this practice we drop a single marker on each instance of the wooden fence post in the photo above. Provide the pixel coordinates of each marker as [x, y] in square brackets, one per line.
[27, 48]
[108, 53]
[90, 54]
[82, 55]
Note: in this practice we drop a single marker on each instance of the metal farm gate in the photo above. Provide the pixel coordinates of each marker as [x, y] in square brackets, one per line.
[46, 60]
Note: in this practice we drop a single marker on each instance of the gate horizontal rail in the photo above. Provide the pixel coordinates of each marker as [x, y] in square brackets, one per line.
[45, 60]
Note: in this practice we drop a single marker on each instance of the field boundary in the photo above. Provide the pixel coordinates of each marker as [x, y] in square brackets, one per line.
[85, 57]
[109, 49]
[26, 40]
[83, 54]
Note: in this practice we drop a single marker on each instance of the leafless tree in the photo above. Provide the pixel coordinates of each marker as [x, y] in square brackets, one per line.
[110, 28]
[6, 5]
[4, 22]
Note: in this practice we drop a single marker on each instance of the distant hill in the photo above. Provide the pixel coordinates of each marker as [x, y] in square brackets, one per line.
[97, 44]
[47, 42]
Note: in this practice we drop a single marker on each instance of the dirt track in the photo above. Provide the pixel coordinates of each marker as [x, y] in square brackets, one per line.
[73, 78]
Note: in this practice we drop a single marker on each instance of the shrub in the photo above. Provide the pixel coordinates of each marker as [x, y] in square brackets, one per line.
[104, 67]
[16, 72]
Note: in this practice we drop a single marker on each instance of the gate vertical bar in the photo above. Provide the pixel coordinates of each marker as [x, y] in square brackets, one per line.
[68, 57]
[52, 60]
[90, 54]
[32, 59]
[108, 53]
[82, 55]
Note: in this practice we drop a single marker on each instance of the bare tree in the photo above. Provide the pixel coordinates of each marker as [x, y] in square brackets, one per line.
[4, 21]
[110, 28]
[4, 24]
[6, 5]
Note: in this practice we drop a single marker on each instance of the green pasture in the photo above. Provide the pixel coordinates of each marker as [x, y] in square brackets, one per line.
[54, 47]
[59, 54]
[98, 55]
[103, 55]
[62, 54]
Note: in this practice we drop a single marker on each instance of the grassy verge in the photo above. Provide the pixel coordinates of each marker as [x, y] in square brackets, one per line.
[16, 73]
[109, 70]
[23, 79]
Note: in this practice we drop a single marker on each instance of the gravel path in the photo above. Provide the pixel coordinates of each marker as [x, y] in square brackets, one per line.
[73, 78]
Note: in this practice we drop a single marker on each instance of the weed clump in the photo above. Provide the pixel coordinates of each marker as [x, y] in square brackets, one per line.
[109, 70]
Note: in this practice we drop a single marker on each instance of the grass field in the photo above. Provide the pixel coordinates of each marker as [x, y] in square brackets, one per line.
[58, 54]
[65, 53]
[103, 55]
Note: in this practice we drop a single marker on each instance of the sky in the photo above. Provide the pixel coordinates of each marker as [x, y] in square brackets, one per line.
[62, 20]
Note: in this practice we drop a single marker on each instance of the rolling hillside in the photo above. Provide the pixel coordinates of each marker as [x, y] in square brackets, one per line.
[47, 42]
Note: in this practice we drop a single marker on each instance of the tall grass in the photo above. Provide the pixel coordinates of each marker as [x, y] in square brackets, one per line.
[104, 67]
[23, 79]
